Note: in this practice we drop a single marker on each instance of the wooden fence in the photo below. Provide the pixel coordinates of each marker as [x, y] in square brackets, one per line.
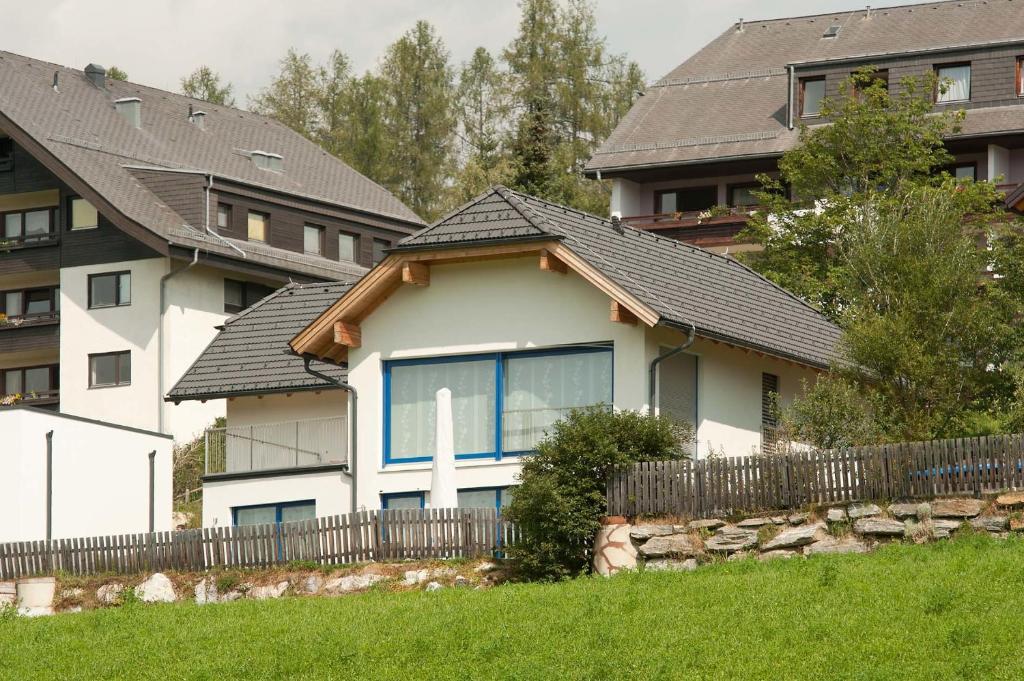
[967, 466]
[351, 538]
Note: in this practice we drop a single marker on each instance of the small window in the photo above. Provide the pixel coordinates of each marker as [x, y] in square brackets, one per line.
[742, 195]
[110, 369]
[266, 514]
[954, 83]
[223, 216]
[313, 239]
[1020, 76]
[965, 171]
[379, 246]
[239, 295]
[347, 247]
[111, 289]
[812, 92]
[403, 500]
[258, 226]
[83, 214]
[769, 419]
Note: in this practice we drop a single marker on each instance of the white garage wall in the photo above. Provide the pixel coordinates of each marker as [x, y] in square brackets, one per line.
[329, 489]
[100, 477]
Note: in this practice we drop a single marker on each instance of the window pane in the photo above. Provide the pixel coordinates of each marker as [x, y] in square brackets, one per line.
[667, 202]
[223, 216]
[37, 380]
[814, 92]
[83, 214]
[403, 501]
[12, 225]
[478, 498]
[37, 223]
[101, 369]
[957, 82]
[13, 303]
[259, 515]
[37, 302]
[744, 196]
[696, 198]
[378, 250]
[311, 236]
[346, 247]
[413, 407]
[294, 512]
[104, 290]
[964, 172]
[257, 227]
[233, 296]
[541, 389]
[12, 382]
[125, 368]
[124, 289]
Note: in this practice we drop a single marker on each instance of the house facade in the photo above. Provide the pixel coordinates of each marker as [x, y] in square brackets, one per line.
[684, 161]
[133, 221]
[524, 310]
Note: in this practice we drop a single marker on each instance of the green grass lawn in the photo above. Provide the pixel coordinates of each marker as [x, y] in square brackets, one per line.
[945, 611]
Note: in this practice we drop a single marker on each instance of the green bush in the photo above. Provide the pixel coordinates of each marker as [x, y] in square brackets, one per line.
[561, 497]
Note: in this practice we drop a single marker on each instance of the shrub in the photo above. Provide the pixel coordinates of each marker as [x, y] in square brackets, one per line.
[561, 498]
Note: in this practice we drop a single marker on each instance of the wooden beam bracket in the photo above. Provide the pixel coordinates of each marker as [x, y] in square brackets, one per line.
[550, 263]
[416, 273]
[347, 334]
[622, 315]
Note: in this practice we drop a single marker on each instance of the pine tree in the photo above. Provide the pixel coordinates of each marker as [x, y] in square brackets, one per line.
[293, 97]
[204, 83]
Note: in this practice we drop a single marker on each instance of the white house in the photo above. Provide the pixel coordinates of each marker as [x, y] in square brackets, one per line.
[63, 477]
[524, 310]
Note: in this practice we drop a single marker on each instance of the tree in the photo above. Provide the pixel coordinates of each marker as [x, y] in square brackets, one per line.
[363, 141]
[561, 496]
[115, 73]
[293, 97]
[204, 83]
[420, 120]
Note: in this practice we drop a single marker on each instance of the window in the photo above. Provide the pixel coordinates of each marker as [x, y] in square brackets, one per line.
[39, 302]
[110, 369]
[954, 83]
[30, 225]
[485, 497]
[31, 382]
[258, 226]
[223, 216]
[379, 245]
[685, 200]
[812, 92]
[6, 154]
[287, 512]
[313, 239]
[1019, 79]
[82, 214]
[403, 500]
[677, 391]
[769, 420]
[501, 403]
[347, 246]
[742, 195]
[239, 295]
[110, 289]
[963, 171]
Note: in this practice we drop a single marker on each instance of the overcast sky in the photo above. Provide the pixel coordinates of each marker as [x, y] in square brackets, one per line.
[158, 41]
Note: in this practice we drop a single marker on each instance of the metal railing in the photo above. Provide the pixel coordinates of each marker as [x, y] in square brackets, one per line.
[266, 446]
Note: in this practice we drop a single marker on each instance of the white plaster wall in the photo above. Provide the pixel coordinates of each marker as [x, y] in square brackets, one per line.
[100, 477]
[298, 406]
[500, 305]
[329, 489]
[628, 198]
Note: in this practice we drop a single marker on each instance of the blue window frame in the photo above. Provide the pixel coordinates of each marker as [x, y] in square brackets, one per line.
[283, 512]
[485, 497]
[403, 500]
[502, 402]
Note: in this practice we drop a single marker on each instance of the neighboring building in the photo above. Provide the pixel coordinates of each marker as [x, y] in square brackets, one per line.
[133, 221]
[698, 137]
[64, 476]
[524, 309]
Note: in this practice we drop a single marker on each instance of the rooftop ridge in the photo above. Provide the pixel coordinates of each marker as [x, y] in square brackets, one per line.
[692, 142]
[874, 10]
[716, 78]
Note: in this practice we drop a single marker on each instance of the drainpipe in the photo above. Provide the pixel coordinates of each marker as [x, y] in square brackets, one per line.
[789, 102]
[209, 188]
[160, 339]
[653, 379]
[353, 414]
[152, 491]
[49, 486]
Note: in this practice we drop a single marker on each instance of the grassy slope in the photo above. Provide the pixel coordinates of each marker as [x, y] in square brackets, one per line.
[949, 610]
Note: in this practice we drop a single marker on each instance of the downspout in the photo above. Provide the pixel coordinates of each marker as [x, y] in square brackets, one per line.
[789, 102]
[160, 339]
[152, 491]
[49, 486]
[352, 417]
[653, 378]
[209, 187]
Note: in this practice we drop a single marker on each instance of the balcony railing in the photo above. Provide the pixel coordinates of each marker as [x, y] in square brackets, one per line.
[270, 446]
[34, 319]
[36, 398]
[692, 218]
[10, 243]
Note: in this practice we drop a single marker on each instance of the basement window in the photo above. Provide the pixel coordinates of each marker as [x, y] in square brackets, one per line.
[266, 514]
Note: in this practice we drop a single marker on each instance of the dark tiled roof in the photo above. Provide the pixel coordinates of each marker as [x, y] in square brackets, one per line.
[79, 125]
[729, 99]
[683, 284]
[248, 356]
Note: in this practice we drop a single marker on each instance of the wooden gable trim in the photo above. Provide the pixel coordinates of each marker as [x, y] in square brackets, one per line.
[620, 314]
[641, 310]
[550, 263]
[416, 273]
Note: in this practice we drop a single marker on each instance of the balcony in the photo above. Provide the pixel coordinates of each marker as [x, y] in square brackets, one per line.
[29, 253]
[708, 229]
[42, 398]
[38, 331]
[289, 445]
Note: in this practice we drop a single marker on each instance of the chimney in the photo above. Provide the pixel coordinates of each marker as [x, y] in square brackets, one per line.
[197, 118]
[131, 109]
[97, 75]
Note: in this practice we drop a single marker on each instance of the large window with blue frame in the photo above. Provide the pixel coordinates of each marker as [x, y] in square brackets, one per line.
[477, 497]
[284, 512]
[502, 403]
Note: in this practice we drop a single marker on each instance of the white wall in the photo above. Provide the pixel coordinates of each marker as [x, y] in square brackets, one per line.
[298, 406]
[100, 477]
[329, 489]
[630, 198]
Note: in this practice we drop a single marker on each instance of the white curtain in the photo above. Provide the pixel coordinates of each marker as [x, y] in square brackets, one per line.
[413, 410]
[541, 389]
[957, 80]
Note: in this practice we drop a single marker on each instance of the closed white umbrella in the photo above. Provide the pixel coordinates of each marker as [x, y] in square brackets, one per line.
[443, 492]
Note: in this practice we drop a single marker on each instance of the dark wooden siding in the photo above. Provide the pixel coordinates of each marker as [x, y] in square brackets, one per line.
[103, 244]
[182, 193]
[37, 337]
[28, 175]
[31, 259]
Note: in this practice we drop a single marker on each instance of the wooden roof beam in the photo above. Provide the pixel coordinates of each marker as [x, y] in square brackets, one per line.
[620, 314]
[550, 263]
[348, 334]
[416, 273]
